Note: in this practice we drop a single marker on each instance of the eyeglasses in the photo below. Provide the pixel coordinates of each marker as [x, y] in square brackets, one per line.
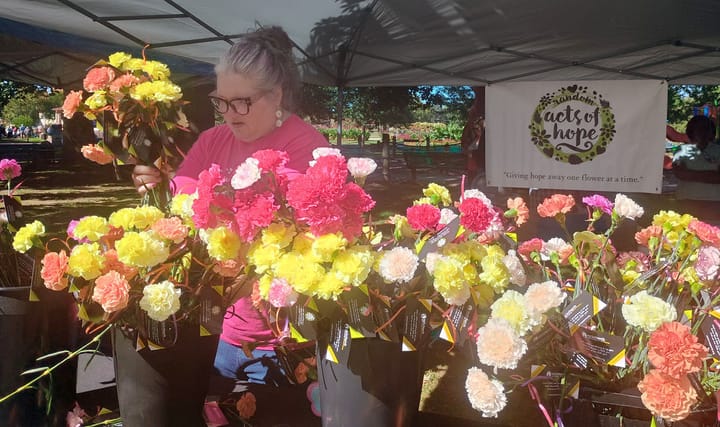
[239, 105]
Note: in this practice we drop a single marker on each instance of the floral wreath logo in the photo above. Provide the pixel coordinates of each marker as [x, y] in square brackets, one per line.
[581, 125]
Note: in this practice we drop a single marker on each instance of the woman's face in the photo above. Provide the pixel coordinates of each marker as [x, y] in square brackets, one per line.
[260, 118]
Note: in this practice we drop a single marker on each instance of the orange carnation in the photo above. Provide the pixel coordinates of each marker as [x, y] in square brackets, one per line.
[556, 204]
[666, 396]
[675, 351]
[246, 405]
[124, 81]
[54, 268]
[113, 263]
[705, 232]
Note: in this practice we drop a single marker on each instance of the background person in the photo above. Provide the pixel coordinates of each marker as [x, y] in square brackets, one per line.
[256, 87]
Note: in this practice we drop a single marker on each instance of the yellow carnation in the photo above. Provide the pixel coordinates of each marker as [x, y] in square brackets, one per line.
[326, 246]
[86, 261]
[301, 272]
[438, 194]
[145, 216]
[117, 59]
[132, 64]
[353, 265]
[647, 312]
[91, 228]
[450, 280]
[160, 300]
[156, 70]
[97, 100]
[141, 249]
[181, 205]
[278, 234]
[157, 91]
[511, 307]
[263, 256]
[302, 243]
[123, 218]
[27, 235]
[264, 283]
[330, 286]
[223, 244]
[495, 273]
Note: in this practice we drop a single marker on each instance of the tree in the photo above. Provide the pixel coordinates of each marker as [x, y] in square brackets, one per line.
[28, 105]
[682, 99]
[318, 102]
[10, 89]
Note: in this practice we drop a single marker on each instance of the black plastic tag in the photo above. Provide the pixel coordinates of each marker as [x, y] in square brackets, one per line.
[13, 210]
[455, 327]
[440, 239]
[303, 316]
[359, 313]
[382, 311]
[212, 310]
[711, 331]
[582, 308]
[605, 348]
[338, 350]
[417, 318]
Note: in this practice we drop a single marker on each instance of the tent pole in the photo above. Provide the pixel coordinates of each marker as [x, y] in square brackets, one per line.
[340, 104]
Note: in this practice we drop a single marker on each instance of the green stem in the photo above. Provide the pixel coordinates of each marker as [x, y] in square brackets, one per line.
[106, 422]
[48, 371]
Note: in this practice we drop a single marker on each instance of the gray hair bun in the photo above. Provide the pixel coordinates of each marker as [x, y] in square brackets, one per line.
[265, 54]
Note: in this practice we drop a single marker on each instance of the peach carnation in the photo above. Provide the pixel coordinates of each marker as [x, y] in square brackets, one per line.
[246, 405]
[111, 291]
[124, 81]
[675, 351]
[556, 204]
[98, 78]
[54, 270]
[71, 103]
[485, 395]
[643, 236]
[498, 345]
[96, 154]
[398, 265]
[228, 268]
[522, 213]
[171, 229]
[541, 297]
[666, 396]
[113, 263]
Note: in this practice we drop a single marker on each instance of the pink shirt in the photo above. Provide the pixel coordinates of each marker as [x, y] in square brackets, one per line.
[243, 323]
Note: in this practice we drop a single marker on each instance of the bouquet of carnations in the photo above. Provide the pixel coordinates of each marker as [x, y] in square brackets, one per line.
[136, 268]
[611, 319]
[138, 107]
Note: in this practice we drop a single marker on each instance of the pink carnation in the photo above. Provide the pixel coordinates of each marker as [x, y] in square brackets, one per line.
[361, 167]
[705, 232]
[9, 169]
[124, 81]
[666, 396]
[271, 160]
[252, 214]
[675, 351]
[71, 103]
[323, 200]
[528, 247]
[708, 262]
[54, 268]
[281, 294]
[96, 154]
[597, 201]
[476, 215]
[556, 204]
[111, 291]
[211, 209]
[423, 217]
[98, 78]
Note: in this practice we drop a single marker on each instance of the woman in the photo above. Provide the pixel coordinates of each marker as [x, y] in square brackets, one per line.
[256, 85]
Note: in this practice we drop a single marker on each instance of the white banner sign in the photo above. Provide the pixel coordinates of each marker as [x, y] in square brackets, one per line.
[585, 135]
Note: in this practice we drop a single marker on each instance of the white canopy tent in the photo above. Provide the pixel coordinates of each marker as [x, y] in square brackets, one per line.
[377, 42]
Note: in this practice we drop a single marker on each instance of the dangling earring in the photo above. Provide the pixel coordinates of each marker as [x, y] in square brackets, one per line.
[278, 115]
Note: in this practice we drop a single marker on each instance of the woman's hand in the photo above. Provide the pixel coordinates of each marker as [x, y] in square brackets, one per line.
[145, 178]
